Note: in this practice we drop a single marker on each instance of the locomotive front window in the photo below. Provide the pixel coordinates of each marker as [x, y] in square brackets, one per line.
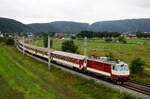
[122, 67]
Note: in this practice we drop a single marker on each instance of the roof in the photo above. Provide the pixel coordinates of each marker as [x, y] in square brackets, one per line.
[36, 47]
[69, 54]
[106, 60]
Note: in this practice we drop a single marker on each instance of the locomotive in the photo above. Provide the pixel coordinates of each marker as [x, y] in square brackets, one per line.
[113, 69]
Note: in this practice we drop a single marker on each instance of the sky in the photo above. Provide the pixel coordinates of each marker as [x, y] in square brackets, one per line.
[89, 11]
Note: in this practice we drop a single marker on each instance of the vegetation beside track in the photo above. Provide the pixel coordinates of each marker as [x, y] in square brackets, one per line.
[23, 77]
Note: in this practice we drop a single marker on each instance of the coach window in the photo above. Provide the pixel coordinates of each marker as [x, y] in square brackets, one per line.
[73, 60]
[70, 59]
[113, 67]
[67, 59]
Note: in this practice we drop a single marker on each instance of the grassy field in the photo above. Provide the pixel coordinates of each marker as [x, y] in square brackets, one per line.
[22, 77]
[146, 41]
[126, 52]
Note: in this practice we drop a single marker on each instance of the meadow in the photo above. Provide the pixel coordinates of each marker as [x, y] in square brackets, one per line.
[125, 52]
[22, 77]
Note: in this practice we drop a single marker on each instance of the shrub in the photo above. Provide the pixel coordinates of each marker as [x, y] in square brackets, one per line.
[137, 65]
[125, 42]
[10, 41]
[69, 46]
[45, 41]
[110, 55]
[121, 38]
[73, 37]
[2, 39]
[108, 40]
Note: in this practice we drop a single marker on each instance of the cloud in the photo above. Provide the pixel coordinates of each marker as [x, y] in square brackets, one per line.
[30, 11]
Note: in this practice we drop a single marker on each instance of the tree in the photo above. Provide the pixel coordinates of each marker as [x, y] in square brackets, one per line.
[45, 41]
[9, 41]
[69, 46]
[140, 35]
[108, 40]
[110, 55]
[73, 37]
[91, 34]
[122, 39]
[2, 39]
[137, 65]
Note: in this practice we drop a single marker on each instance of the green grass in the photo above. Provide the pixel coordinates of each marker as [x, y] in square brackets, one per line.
[138, 40]
[38, 43]
[22, 77]
[125, 52]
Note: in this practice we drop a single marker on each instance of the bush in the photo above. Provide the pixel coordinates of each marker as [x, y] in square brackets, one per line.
[69, 46]
[73, 37]
[45, 41]
[7, 40]
[110, 55]
[121, 38]
[108, 40]
[2, 39]
[137, 65]
[125, 42]
[10, 41]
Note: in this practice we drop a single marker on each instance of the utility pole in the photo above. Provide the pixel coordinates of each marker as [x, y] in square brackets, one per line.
[23, 45]
[49, 53]
[15, 38]
[85, 45]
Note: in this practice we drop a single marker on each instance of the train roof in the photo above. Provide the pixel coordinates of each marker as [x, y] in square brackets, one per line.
[106, 60]
[69, 54]
[36, 47]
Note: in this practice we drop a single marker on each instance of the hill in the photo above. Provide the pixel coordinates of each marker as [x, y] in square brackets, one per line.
[10, 25]
[129, 25]
[59, 26]
[43, 27]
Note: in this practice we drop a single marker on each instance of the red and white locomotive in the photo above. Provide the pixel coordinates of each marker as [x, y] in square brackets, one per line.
[112, 69]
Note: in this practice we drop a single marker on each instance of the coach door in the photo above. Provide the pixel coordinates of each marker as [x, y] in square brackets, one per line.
[85, 63]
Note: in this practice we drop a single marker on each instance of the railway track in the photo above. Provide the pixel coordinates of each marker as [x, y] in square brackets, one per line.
[138, 87]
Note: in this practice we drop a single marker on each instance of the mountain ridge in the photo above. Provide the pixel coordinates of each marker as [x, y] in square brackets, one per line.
[10, 25]
[126, 25]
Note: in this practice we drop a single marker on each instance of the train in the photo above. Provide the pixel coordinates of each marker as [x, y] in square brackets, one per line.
[111, 69]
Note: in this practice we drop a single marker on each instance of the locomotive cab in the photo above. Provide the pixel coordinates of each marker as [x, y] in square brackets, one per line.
[120, 72]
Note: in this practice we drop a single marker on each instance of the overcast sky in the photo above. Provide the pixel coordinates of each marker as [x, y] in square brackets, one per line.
[39, 11]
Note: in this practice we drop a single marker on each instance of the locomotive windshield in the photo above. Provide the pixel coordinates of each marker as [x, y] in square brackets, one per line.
[122, 67]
